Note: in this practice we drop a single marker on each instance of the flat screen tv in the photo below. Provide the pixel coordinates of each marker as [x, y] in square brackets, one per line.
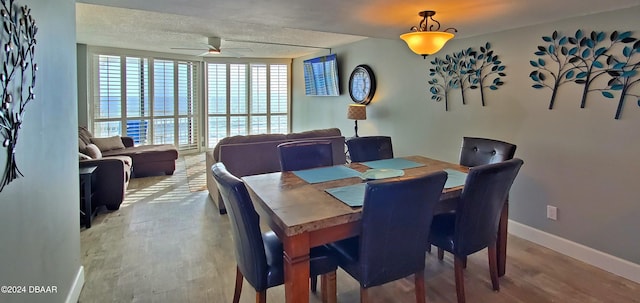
[321, 76]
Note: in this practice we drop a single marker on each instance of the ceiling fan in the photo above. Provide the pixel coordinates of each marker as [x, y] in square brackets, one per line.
[213, 48]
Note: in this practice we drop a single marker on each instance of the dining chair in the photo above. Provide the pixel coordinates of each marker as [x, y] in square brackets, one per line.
[298, 155]
[396, 216]
[259, 256]
[480, 151]
[474, 224]
[362, 149]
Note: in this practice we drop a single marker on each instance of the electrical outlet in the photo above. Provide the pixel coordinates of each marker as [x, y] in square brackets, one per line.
[552, 212]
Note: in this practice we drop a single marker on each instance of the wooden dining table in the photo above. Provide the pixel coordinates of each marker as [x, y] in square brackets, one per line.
[304, 215]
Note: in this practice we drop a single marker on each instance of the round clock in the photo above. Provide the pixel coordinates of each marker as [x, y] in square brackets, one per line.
[362, 84]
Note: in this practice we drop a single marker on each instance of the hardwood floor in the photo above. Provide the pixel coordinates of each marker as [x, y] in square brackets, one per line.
[167, 244]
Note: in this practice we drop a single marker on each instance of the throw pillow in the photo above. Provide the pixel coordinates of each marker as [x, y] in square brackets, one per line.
[106, 144]
[81, 145]
[84, 134]
[93, 151]
[82, 156]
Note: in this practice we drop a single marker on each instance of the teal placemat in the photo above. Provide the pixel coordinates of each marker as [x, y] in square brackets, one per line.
[456, 178]
[395, 163]
[352, 195]
[328, 173]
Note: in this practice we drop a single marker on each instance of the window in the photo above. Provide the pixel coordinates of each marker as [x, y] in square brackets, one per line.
[153, 101]
[246, 99]
[160, 100]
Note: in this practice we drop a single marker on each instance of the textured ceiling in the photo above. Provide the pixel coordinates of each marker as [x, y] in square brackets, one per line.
[162, 25]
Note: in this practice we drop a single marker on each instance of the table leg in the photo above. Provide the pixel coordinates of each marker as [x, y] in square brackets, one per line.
[87, 200]
[501, 242]
[296, 268]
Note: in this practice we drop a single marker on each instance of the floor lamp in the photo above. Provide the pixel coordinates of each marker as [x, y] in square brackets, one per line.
[357, 112]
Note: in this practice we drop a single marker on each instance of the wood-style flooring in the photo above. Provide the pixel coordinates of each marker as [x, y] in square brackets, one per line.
[167, 244]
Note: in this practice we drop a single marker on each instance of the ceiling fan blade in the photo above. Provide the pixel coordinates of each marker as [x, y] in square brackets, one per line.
[190, 48]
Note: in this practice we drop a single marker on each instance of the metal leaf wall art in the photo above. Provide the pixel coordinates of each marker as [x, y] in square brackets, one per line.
[599, 62]
[466, 69]
[18, 78]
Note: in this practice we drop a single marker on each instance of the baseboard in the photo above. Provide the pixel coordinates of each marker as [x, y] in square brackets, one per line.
[578, 251]
[76, 287]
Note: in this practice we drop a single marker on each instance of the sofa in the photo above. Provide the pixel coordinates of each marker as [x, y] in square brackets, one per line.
[258, 154]
[109, 181]
[146, 159]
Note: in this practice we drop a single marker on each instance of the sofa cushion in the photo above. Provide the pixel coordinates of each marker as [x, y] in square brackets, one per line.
[82, 156]
[329, 132]
[245, 139]
[109, 143]
[146, 153]
[93, 151]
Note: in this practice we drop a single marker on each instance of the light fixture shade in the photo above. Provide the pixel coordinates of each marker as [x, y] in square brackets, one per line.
[357, 112]
[426, 42]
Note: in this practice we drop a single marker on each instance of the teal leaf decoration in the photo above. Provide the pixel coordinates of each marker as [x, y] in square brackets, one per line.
[573, 51]
[563, 41]
[537, 86]
[629, 74]
[607, 95]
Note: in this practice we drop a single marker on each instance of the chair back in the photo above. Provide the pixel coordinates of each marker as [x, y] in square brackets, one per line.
[396, 218]
[298, 155]
[362, 149]
[245, 227]
[483, 196]
[480, 151]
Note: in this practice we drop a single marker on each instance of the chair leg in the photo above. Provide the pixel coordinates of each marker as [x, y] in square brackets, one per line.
[238, 288]
[420, 291]
[440, 253]
[459, 274]
[314, 284]
[464, 262]
[493, 267]
[364, 295]
[429, 248]
[261, 296]
[329, 288]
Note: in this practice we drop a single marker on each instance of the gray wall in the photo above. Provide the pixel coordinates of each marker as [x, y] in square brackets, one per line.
[39, 218]
[580, 160]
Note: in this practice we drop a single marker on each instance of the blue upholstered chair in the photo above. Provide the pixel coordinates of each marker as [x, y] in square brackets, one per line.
[298, 155]
[362, 149]
[474, 224]
[260, 256]
[396, 217]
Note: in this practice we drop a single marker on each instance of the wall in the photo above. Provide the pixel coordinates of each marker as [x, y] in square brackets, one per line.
[39, 218]
[580, 160]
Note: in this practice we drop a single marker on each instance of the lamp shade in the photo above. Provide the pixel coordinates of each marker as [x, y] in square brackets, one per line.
[357, 112]
[426, 42]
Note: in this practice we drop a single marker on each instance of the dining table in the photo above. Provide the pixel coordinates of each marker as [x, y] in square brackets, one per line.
[303, 214]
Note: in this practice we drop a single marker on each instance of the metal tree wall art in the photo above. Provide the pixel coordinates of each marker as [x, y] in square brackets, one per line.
[466, 69]
[610, 61]
[488, 69]
[18, 78]
[442, 81]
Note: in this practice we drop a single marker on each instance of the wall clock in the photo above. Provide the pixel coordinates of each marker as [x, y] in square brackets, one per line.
[362, 84]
